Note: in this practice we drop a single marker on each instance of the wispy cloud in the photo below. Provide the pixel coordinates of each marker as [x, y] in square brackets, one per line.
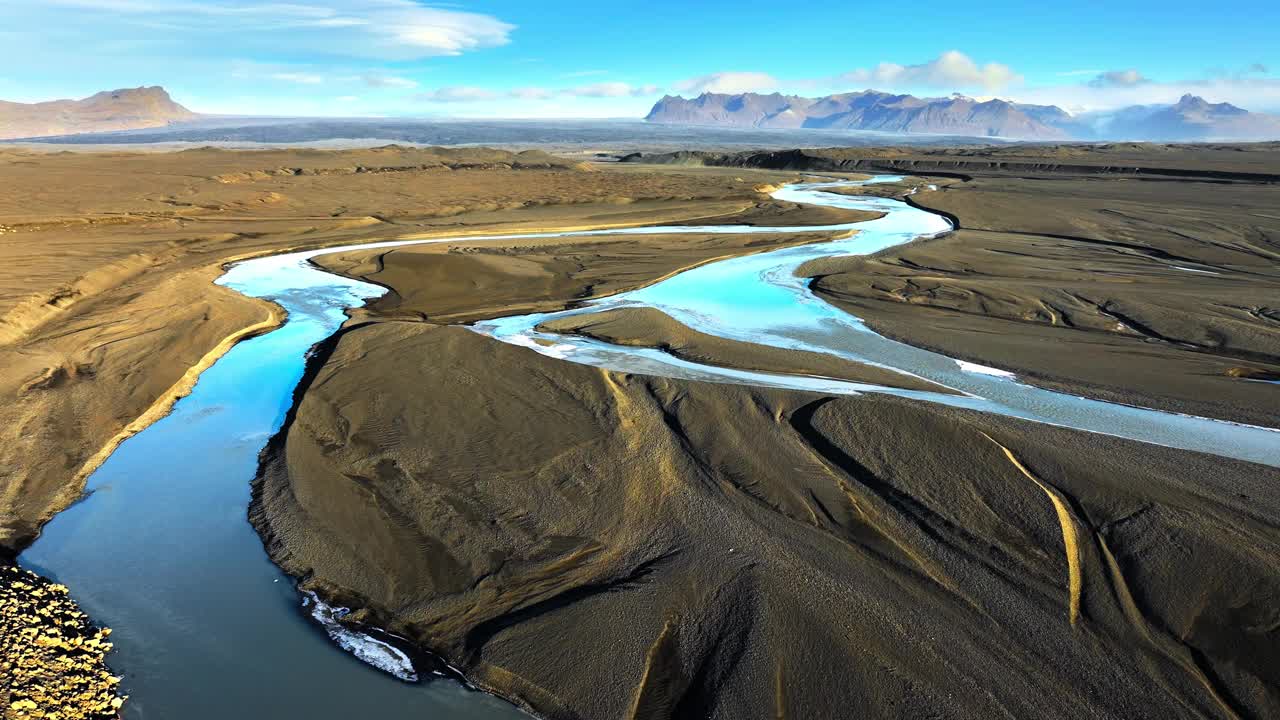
[531, 93]
[388, 81]
[297, 77]
[598, 90]
[729, 83]
[1118, 78]
[390, 29]
[457, 94]
[611, 89]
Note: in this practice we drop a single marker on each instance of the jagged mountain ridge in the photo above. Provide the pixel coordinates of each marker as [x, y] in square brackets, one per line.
[124, 109]
[1192, 118]
[866, 110]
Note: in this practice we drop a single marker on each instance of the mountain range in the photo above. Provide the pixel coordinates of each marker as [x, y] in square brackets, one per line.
[1191, 118]
[126, 109]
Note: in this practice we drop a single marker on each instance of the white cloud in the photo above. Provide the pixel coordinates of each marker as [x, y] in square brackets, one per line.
[461, 94]
[952, 70]
[388, 81]
[730, 83]
[611, 89]
[385, 29]
[1118, 78]
[298, 77]
[347, 99]
[531, 93]
[458, 94]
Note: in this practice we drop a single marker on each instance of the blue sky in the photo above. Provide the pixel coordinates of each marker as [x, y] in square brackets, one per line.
[557, 58]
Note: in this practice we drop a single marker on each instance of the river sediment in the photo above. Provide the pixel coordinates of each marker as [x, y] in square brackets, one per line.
[707, 531]
[600, 544]
[527, 571]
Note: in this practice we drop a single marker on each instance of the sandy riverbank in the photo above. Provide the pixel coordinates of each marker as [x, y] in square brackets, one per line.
[604, 545]
[108, 311]
[646, 327]
[1159, 293]
[107, 262]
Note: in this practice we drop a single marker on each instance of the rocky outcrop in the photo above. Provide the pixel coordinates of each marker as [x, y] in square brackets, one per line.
[52, 656]
[127, 109]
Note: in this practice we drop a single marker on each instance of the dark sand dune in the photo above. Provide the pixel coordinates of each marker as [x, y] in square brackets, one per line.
[596, 545]
[1152, 292]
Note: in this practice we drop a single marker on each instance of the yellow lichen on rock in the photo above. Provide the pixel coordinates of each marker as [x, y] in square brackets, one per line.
[52, 658]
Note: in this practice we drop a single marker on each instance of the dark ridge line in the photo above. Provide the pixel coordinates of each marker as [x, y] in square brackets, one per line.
[483, 632]
[806, 160]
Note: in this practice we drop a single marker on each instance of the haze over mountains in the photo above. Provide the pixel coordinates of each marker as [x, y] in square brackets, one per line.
[125, 109]
[918, 119]
[1191, 118]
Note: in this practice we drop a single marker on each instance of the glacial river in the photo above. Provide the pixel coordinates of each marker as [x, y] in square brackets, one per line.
[206, 627]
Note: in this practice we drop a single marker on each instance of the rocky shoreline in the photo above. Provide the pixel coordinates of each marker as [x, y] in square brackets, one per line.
[53, 658]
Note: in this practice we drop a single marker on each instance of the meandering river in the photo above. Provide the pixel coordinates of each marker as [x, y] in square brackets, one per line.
[206, 627]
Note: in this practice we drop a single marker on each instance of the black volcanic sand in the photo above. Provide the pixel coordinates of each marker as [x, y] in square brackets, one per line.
[1252, 161]
[465, 281]
[1156, 292]
[646, 327]
[598, 545]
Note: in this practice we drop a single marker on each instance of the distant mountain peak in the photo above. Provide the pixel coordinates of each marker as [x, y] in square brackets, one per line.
[1191, 118]
[861, 110]
[106, 111]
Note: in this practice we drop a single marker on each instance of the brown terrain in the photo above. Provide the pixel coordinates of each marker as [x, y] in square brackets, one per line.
[108, 313]
[646, 327]
[126, 109]
[605, 545]
[597, 545]
[115, 314]
[1143, 274]
[1161, 293]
